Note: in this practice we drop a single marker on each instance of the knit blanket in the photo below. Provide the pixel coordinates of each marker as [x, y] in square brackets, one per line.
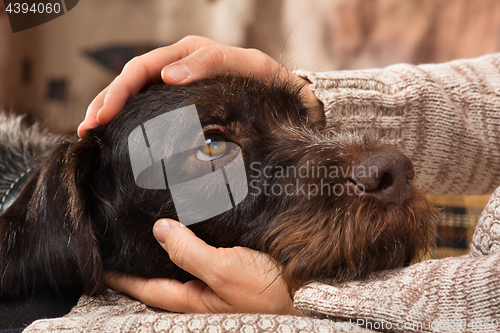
[120, 313]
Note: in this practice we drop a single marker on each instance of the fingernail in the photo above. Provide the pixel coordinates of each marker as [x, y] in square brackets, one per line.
[160, 230]
[105, 98]
[178, 72]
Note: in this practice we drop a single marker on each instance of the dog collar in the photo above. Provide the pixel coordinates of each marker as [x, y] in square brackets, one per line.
[14, 190]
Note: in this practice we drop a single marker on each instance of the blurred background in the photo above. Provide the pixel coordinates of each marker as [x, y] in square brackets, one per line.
[53, 71]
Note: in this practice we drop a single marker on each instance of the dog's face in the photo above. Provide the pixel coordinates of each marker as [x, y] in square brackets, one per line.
[312, 202]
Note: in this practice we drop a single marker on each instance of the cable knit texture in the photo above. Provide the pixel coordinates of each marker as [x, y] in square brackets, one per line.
[486, 238]
[447, 119]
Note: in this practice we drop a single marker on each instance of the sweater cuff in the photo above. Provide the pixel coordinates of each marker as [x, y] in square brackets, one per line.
[314, 86]
[369, 100]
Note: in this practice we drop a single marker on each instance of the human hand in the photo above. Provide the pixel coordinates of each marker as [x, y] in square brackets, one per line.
[232, 280]
[192, 58]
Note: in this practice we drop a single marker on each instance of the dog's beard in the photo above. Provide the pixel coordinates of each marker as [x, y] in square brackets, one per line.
[321, 227]
[345, 238]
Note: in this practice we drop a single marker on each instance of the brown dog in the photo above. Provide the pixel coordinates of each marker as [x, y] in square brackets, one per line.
[326, 204]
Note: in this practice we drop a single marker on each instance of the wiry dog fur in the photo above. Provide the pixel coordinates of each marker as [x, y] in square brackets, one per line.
[82, 213]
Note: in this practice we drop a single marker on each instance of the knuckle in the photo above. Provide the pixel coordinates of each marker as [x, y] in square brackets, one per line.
[256, 54]
[193, 39]
[259, 58]
[189, 38]
[194, 302]
[213, 56]
[225, 266]
[131, 63]
[177, 252]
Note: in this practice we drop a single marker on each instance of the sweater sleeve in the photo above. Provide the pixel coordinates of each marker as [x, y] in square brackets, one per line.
[458, 294]
[445, 117]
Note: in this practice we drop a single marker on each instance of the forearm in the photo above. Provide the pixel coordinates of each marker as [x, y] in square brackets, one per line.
[445, 117]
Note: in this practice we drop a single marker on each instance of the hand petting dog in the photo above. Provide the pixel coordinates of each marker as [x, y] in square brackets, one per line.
[232, 280]
[191, 59]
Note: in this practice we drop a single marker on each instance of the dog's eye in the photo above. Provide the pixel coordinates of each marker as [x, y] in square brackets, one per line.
[215, 147]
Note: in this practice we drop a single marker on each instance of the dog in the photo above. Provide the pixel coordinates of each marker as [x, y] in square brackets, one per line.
[326, 204]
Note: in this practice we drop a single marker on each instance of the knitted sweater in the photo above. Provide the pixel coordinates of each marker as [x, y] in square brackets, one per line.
[446, 118]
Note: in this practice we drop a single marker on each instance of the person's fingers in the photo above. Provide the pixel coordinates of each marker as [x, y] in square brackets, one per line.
[233, 279]
[142, 70]
[135, 75]
[222, 269]
[170, 295]
[216, 59]
[186, 250]
[190, 59]
[215, 266]
[91, 115]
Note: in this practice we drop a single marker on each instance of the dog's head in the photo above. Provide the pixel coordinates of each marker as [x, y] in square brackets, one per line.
[324, 203]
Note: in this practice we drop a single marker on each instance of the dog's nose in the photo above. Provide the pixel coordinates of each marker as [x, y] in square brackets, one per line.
[385, 176]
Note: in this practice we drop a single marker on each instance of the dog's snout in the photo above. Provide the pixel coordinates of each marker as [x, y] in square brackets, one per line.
[385, 176]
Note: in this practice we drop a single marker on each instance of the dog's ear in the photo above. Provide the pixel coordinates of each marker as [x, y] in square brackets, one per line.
[90, 184]
[48, 236]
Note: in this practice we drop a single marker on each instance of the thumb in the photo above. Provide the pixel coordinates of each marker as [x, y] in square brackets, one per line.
[185, 249]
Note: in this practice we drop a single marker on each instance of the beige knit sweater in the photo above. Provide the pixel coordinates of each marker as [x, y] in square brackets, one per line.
[447, 119]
